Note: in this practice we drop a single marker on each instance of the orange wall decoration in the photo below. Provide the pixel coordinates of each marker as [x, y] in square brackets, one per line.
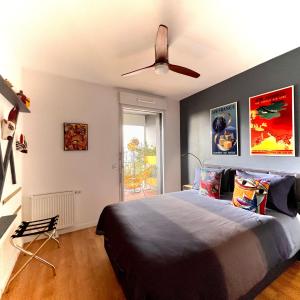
[271, 122]
[75, 136]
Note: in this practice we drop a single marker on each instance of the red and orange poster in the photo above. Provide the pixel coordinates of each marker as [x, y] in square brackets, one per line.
[272, 123]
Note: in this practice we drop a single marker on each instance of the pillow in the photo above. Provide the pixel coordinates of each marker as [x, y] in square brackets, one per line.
[293, 195]
[210, 182]
[227, 196]
[251, 194]
[281, 193]
[224, 179]
[197, 178]
[231, 177]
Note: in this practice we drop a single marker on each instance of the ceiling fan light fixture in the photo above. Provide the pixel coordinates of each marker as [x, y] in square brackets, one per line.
[161, 64]
[161, 68]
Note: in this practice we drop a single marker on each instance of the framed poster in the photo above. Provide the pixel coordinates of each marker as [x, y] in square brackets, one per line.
[271, 123]
[75, 136]
[224, 129]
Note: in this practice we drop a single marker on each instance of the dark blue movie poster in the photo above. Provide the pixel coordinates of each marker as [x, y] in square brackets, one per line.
[224, 129]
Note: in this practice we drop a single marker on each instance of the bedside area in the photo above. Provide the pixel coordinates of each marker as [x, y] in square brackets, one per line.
[186, 187]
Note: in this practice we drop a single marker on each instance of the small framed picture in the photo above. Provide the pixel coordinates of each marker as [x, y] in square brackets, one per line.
[224, 130]
[75, 137]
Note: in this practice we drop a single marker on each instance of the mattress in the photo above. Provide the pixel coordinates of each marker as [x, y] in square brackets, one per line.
[186, 246]
[291, 227]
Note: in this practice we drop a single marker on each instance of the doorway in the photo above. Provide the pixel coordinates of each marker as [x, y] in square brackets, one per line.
[141, 153]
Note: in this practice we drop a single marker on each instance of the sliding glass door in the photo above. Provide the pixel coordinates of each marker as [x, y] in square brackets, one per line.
[142, 169]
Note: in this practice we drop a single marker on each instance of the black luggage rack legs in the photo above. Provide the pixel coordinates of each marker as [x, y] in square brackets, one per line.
[46, 227]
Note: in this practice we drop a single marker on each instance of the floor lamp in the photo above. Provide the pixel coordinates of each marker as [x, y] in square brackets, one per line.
[201, 163]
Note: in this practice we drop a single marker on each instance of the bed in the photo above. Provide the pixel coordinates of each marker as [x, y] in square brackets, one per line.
[186, 246]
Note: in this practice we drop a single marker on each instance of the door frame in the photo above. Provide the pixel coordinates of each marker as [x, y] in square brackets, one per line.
[162, 148]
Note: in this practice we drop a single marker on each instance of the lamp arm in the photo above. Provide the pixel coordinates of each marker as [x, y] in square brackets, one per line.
[199, 160]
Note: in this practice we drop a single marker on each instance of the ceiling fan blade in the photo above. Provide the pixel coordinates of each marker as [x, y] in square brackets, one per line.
[161, 44]
[184, 71]
[136, 71]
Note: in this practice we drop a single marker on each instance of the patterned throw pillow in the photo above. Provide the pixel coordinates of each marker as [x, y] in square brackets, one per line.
[251, 194]
[210, 182]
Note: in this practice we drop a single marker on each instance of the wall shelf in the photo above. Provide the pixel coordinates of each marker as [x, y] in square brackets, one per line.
[5, 222]
[11, 96]
[6, 199]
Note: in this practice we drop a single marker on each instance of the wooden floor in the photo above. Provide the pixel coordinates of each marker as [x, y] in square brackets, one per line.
[84, 272]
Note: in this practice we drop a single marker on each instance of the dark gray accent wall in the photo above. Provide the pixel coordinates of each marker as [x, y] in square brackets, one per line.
[279, 72]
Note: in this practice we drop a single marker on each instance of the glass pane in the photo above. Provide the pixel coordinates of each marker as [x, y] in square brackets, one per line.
[141, 155]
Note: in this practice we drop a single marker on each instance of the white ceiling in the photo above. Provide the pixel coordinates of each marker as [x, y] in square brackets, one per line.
[97, 40]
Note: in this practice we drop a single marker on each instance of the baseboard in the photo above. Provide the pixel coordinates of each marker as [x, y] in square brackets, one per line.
[77, 227]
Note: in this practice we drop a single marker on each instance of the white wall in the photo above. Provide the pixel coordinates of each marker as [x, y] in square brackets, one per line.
[10, 69]
[47, 168]
[172, 147]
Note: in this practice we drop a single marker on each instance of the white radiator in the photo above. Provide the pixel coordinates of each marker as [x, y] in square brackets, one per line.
[49, 205]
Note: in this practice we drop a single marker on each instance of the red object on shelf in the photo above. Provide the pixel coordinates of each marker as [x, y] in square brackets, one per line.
[9, 126]
[22, 145]
[13, 115]
[23, 98]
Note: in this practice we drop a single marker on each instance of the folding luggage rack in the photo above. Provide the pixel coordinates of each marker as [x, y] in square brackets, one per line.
[46, 227]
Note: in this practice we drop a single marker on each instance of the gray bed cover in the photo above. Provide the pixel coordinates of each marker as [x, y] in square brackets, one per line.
[185, 246]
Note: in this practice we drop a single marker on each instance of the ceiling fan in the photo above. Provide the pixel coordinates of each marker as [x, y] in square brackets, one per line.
[161, 64]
